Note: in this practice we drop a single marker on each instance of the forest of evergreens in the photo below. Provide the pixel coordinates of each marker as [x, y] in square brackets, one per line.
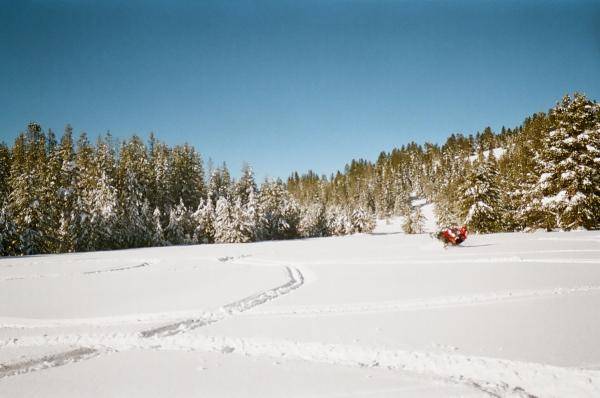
[69, 194]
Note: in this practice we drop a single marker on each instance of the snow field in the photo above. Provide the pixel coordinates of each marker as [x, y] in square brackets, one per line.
[382, 314]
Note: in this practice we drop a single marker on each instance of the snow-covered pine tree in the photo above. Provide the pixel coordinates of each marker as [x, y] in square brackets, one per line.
[158, 236]
[338, 222]
[231, 222]
[224, 229]
[5, 167]
[219, 184]
[176, 230]
[402, 204]
[279, 212]
[133, 181]
[94, 215]
[160, 193]
[450, 174]
[567, 193]
[27, 198]
[252, 214]
[186, 179]
[66, 181]
[243, 225]
[9, 240]
[204, 222]
[361, 221]
[313, 221]
[414, 222]
[480, 203]
[246, 185]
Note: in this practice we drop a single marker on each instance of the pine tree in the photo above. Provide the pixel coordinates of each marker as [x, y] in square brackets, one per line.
[186, 178]
[27, 198]
[481, 202]
[337, 221]
[9, 240]
[414, 223]
[204, 222]
[246, 185]
[252, 214]
[161, 190]
[158, 237]
[567, 193]
[5, 167]
[133, 177]
[279, 212]
[219, 184]
[313, 221]
[176, 231]
[66, 189]
[361, 221]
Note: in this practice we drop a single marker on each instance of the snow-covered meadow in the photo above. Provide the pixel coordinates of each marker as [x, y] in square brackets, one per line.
[378, 315]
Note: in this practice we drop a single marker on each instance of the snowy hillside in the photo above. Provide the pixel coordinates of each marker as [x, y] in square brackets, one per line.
[497, 152]
[394, 224]
[378, 315]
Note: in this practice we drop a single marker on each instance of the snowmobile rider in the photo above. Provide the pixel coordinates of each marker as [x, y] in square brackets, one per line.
[453, 235]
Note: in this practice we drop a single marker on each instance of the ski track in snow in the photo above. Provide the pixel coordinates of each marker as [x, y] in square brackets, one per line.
[497, 377]
[296, 279]
[48, 361]
[94, 272]
[85, 344]
[117, 269]
[190, 319]
[420, 304]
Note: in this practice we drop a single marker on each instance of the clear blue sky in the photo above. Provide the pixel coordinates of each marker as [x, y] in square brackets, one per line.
[291, 85]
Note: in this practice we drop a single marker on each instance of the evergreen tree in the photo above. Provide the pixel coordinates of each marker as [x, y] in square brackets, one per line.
[28, 200]
[204, 221]
[361, 221]
[158, 237]
[313, 221]
[161, 190]
[5, 167]
[481, 202]
[220, 184]
[9, 241]
[186, 176]
[176, 231]
[414, 223]
[133, 186]
[246, 185]
[279, 212]
[567, 193]
[337, 221]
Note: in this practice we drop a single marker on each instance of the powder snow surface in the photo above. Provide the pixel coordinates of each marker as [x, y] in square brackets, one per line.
[378, 315]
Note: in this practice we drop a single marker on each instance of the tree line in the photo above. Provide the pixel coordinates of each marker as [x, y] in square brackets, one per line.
[57, 195]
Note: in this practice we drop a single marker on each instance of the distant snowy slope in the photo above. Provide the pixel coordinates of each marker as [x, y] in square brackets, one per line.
[394, 224]
[498, 153]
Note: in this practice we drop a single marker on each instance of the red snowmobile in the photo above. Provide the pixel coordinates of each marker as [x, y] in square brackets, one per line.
[452, 235]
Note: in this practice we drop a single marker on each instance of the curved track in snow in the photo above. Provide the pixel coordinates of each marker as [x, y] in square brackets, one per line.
[90, 346]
